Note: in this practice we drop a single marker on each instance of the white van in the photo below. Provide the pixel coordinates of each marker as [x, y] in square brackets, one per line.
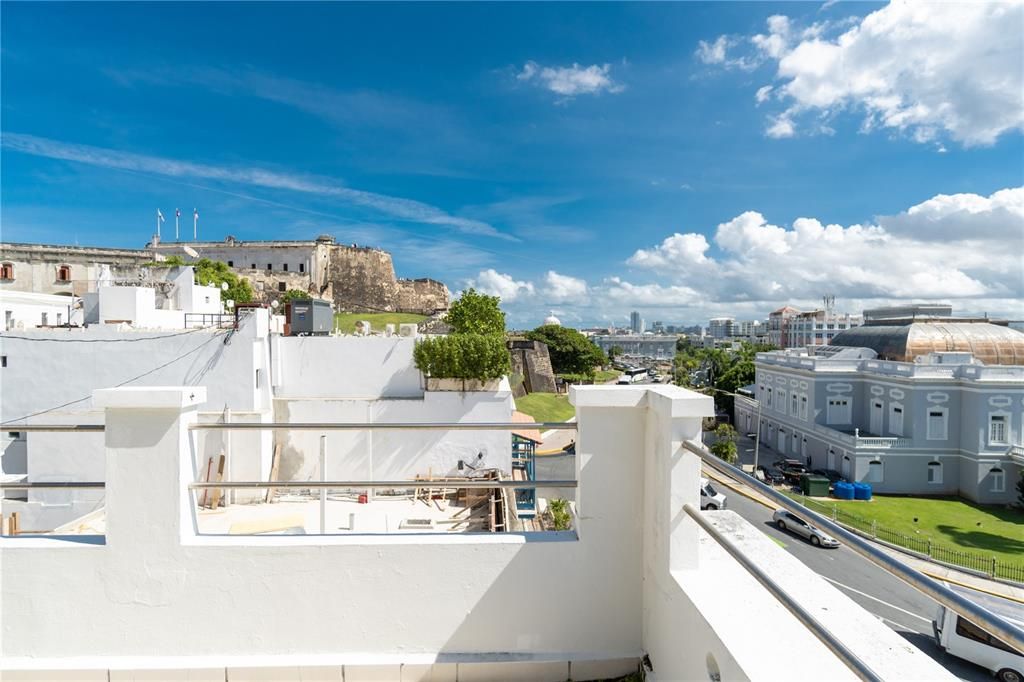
[709, 497]
[964, 639]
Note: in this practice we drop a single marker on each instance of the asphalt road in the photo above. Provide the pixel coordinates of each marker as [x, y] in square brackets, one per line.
[899, 606]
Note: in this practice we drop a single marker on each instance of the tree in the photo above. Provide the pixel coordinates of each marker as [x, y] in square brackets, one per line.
[570, 351]
[1020, 490]
[724, 446]
[293, 294]
[215, 272]
[476, 313]
[614, 352]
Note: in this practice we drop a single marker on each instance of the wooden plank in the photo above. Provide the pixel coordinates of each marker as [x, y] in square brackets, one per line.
[209, 467]
[15, 525]
[275, 471]
[217, 492]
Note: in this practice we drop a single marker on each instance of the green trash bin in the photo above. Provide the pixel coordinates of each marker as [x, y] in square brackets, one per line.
[814, 486]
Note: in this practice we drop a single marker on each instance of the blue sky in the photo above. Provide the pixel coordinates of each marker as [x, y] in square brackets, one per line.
[587, 159]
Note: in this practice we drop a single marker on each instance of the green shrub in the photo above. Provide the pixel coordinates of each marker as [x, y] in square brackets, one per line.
[560, 516]
[463, 356]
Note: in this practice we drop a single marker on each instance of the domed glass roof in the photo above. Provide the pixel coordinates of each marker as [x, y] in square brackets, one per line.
[992, 344]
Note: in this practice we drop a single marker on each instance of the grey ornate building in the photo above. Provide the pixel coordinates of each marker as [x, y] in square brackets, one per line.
[916, 406]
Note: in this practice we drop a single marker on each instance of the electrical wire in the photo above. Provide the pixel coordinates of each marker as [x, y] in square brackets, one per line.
[216, 335]
[4, 335]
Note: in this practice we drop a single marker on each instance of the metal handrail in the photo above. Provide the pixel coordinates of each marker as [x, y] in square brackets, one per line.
[994, 624]
[52, 427]
[323, 426]
[53, 485]
[852, 661]
[422, 483]
[389, 426]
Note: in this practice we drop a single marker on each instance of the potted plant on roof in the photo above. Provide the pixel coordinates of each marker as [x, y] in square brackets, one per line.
[474, 356]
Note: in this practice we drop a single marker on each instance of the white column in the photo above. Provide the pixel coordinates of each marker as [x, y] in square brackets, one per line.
[149, 465]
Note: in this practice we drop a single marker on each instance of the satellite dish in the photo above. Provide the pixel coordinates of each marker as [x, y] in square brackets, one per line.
[274, 304]
[229, 303]
[190, 251]
[223, 286]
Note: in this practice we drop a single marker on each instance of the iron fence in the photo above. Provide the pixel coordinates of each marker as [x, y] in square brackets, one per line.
[981, 563]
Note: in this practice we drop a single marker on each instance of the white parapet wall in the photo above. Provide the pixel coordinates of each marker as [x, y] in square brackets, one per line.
[395, 455]
[633, 578]
[356, 367]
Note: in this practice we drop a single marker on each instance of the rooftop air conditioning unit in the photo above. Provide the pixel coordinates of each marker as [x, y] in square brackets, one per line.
[408, 330]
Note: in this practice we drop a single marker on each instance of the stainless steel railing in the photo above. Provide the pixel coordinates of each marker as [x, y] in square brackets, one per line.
[405, 484]
[385, 426]
[994, 624]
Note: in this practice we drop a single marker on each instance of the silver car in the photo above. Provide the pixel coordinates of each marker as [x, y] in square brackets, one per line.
[794, 524]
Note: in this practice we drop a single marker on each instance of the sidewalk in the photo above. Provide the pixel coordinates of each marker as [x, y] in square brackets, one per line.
[929, 568]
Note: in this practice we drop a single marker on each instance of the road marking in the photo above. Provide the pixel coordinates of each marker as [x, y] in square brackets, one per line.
[777, 541]
[901, 626]
[865, 594]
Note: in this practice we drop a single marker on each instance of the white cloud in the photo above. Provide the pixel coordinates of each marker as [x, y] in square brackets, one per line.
[999, 217]
[960, 248]
[780, 127]
[494, 283]
[564, 288]
[713, 53]
[926, 69]
[936, 249]
[395, 207]
[763, 94]
[717, 53]
[570, 81]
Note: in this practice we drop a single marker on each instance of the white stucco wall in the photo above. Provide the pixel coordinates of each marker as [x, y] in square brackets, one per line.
[25, 310]
[636, 580]
[346, 367]
[390, 455]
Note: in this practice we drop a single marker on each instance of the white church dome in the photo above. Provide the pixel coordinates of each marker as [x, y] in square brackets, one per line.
[551, 319]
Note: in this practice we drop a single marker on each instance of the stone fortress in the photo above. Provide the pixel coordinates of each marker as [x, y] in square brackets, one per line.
[354, 278]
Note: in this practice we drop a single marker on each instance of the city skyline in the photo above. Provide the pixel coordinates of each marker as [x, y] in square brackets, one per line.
[685, 161]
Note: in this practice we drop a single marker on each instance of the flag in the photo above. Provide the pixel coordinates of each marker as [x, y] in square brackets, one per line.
[195, 213]
[160, 215]
[177, 213]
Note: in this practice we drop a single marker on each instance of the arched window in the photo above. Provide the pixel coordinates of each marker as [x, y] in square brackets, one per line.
[64, 273]
[998, 477]
[935, 472]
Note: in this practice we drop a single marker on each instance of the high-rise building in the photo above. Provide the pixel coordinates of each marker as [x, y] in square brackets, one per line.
[720, 327]
[636, 323]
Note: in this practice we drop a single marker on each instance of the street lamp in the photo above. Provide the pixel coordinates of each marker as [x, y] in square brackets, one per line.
[757, 433]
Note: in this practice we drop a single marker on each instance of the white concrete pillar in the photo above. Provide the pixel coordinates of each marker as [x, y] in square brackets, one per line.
[149, 464]
[676, 415]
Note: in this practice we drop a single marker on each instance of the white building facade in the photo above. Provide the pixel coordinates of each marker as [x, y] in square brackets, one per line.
[944, 425]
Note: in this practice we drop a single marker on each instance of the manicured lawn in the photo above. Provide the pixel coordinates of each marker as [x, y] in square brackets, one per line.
[948, 521]
[346, 322]
[546, 407]
[606, 375]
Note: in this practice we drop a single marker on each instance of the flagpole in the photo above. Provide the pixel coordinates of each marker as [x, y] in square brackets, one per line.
[195, 225]
[158, 223]
[177, 213]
